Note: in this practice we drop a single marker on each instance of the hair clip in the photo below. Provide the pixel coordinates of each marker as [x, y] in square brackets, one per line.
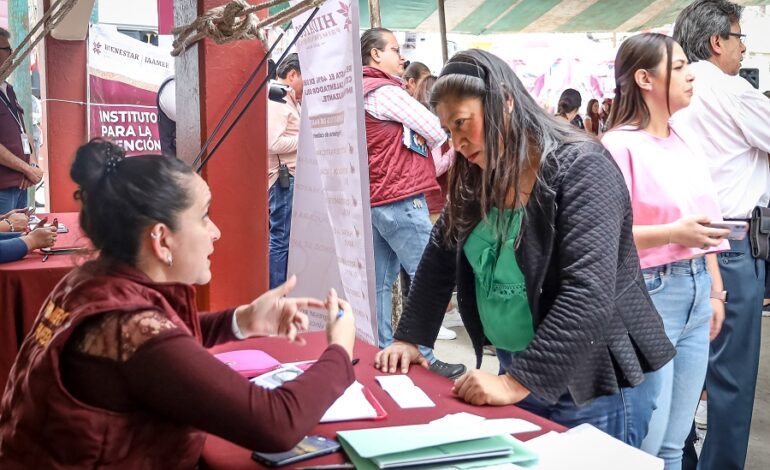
[113, 159]
[463, 68]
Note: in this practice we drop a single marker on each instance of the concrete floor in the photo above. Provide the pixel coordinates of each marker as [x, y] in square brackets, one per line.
[460, 351]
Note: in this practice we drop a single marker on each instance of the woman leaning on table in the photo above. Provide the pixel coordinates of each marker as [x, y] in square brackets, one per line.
[114, 373]
[673, 200]
[537, 237]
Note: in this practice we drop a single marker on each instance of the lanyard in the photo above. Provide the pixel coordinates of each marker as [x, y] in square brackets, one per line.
[12, 109]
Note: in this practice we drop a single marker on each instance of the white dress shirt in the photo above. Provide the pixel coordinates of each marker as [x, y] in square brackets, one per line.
[732, 123]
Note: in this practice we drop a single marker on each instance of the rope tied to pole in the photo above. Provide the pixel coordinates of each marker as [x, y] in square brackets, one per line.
[234, 21]
[50, 20]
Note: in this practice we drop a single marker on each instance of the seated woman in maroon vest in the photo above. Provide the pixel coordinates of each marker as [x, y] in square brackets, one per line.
[114, 372]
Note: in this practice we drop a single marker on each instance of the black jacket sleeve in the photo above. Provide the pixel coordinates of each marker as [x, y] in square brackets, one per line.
[592, 200]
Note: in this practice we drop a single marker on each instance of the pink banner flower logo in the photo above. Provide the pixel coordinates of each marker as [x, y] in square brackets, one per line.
[345, 11]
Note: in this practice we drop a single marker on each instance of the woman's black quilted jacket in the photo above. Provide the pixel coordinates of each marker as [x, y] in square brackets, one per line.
[596, 328]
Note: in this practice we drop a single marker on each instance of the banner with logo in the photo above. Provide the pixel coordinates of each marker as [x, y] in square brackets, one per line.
[124, 75]
[331, 230]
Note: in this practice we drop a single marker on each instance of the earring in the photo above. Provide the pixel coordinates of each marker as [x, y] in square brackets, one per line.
[169, 260]
[154, 235]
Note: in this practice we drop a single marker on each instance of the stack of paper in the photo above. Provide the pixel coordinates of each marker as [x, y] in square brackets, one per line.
[585, 447]
[477, 444]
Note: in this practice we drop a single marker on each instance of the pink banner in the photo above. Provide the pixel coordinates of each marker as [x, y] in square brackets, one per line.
[124, 77]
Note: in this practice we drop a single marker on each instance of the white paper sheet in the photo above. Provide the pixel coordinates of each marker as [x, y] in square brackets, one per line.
[404, 392]
[587, 448]
[350, 406]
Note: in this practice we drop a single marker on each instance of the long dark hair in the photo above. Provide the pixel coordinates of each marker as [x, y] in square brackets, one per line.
[641, 52]
[514, 140]
[121, 197]
[423, 89]
[593, 115]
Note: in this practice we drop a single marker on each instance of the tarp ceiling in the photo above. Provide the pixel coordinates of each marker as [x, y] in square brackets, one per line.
[510, 16]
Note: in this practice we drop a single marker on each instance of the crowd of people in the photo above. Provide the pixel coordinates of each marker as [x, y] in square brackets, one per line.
[588, 251]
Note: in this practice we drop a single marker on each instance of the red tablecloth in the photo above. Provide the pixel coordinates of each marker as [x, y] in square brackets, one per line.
[221, 454]
[25, 284]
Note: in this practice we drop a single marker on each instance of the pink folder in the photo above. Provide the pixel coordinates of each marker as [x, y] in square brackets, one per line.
[249, 362]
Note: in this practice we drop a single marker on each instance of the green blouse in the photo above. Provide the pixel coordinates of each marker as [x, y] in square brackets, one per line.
[501, 295]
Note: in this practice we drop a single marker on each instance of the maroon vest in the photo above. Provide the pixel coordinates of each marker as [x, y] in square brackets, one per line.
[43, 426]
[10, 138]
[395, 172]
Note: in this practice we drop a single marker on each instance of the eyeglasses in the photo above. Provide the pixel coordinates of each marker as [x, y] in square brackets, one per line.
[397, 50]
[741, 37]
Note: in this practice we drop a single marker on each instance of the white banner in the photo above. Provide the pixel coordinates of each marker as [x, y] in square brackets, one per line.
[123, 80]
[331, 230]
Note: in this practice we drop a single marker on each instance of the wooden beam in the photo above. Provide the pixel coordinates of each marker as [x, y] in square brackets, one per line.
[374, 14]
[442, 30]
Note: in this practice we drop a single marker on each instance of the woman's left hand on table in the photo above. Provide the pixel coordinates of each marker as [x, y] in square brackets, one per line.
[275, 314]
[482, 388]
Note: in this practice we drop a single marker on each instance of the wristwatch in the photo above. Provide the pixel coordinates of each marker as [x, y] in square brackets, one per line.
[719, 295]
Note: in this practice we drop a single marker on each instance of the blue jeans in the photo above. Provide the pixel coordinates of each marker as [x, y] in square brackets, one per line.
[280, 201]
[12, 198]
[680, 292]
[623, 415]
[734, 360]
[401, 231]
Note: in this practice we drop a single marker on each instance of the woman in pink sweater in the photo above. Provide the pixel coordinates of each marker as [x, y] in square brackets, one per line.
[673, 202]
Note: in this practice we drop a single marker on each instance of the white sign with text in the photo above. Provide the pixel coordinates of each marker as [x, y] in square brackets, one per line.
[331, 234]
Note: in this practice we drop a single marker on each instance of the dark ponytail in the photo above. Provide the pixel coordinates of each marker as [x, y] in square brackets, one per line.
[121, 197]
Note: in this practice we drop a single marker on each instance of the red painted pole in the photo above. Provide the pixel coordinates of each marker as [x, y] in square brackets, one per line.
[237, 174]
[63, 81]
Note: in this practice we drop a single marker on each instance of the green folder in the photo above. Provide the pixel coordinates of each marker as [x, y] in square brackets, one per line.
[470, 454]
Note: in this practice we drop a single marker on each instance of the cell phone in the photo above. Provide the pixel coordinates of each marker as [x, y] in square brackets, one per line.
[310, 447]
[738, 229]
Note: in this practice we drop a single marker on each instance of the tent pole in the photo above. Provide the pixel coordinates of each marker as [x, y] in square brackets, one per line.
[442, 29]
[374, 13]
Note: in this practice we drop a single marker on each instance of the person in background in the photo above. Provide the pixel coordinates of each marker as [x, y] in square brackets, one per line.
[557, 289]
[673, 201]
[166, 103]
[282, 141]
[443, 158]
[730, 118]
[19, 168]
[117, 355]
[413, 74]
[401, 171]
[592, 119]
[568, 107]
[605, 115]
[15, 242]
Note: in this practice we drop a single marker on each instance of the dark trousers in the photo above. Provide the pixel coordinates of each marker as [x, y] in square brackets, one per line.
[734, 360]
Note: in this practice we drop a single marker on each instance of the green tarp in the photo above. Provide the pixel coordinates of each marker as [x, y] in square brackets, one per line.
[512, 16]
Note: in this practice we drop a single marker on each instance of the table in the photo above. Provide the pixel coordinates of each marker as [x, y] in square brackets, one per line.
[220, 454]
[25, 284]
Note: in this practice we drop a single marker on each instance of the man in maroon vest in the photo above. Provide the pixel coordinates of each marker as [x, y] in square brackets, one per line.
[18, 171]
[400, 134]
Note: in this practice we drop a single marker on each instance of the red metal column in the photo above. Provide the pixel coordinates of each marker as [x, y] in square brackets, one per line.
[63, 81]
[237, 174]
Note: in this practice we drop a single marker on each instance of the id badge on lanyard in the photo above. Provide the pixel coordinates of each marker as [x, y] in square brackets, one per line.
[25, 144]
[26, 147]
